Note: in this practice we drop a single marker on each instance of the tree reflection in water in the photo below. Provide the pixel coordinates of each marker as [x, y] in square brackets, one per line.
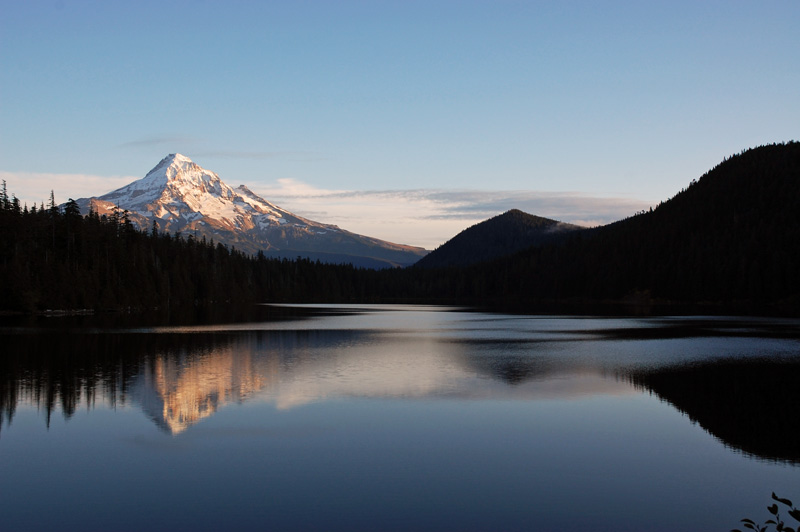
[748, 404]
[57, 371]
[179, 378]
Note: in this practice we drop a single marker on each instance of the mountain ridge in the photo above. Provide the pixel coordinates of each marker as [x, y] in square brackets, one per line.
[728, 239]
[179, 196]
[502, 235]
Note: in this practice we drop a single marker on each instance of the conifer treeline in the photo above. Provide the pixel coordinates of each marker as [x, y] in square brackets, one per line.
[730, 238]
[58, 259]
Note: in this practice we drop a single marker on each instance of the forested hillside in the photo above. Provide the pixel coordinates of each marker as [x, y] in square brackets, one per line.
[51, 259]
[729, 240]
[496, 237]
[731, 237]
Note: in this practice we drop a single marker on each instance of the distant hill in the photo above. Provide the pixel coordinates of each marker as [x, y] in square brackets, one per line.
[730, 238]
[496, 237]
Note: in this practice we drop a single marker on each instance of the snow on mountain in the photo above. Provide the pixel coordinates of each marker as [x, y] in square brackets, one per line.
[178, 187]
[180, 196]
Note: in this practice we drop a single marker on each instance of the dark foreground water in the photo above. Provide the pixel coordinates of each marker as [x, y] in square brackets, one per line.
[398, 418]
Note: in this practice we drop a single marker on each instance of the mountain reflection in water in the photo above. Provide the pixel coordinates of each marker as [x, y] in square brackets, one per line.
[179, 377]
[178, 392]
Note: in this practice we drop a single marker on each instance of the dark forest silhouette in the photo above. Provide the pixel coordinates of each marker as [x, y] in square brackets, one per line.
[746, 403]
[731, 238]
[728, 241]
[503, 235]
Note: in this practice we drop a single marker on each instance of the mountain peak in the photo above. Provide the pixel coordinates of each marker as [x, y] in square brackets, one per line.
[178, 157]
[180, 196]
[173, 165]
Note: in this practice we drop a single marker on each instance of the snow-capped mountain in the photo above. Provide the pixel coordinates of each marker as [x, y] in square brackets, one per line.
[180, 196]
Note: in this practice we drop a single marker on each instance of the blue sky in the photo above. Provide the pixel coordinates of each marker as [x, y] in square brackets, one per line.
[402, 120]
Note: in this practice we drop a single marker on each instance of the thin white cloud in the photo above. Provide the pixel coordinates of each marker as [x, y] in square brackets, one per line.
[420, 217]
[171, 143]
[156, 141]
[34, 188]
[295, 156]
[429, 217]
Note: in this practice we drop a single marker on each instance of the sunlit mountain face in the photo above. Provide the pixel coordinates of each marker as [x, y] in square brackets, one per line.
[179, 196]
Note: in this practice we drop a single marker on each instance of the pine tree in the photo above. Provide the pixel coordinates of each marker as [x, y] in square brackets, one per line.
[5, 204]
[51, 205]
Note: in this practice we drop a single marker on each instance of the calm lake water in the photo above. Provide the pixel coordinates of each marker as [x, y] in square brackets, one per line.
[397, 418]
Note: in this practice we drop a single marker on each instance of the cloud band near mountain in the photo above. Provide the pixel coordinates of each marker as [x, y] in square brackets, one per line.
[429, 217]
[421, 217]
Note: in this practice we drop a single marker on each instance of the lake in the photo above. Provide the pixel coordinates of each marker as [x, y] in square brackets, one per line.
[396, 418]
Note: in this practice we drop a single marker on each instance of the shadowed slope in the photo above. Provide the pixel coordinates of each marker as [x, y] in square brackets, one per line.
[500, 236]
